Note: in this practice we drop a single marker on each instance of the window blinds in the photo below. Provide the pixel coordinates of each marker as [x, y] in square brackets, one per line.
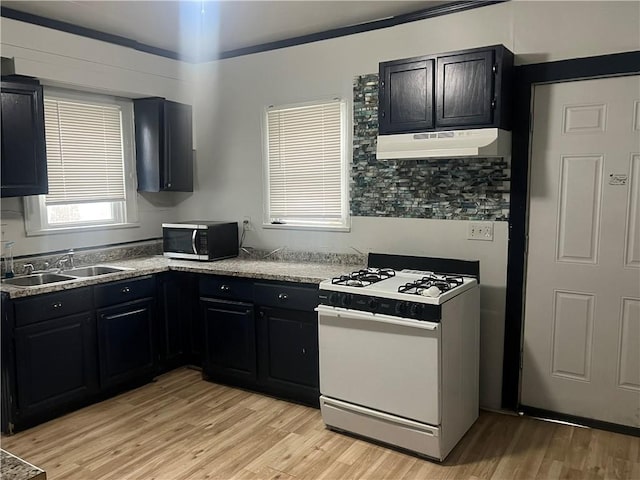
[84, 152]
[305, 163]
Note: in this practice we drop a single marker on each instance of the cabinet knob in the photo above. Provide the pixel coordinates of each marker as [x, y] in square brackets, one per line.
[383, 114]
[493, 104]
[125, 290]
[304, 351]
[168, 185]
[282, 297]
[225, 288]
[494, 69]
[57, 305]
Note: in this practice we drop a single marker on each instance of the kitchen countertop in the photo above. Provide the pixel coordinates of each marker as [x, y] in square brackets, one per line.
[14, 468]
[301, 272]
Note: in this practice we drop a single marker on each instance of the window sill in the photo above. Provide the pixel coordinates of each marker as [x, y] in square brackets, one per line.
[79, 229]
[316, 228]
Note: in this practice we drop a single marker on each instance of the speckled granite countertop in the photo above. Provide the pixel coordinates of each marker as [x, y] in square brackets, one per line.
[302, 272]
[14, 468]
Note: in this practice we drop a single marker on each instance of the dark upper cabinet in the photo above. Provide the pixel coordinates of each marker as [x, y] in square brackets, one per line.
[164, 145]
[465, 89]
[24, 160]
[406, 95]
[472, 89]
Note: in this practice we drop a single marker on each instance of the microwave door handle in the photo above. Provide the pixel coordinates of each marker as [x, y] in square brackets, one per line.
[193, 241]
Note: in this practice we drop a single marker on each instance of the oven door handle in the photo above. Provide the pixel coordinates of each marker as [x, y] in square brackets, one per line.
[339, 312]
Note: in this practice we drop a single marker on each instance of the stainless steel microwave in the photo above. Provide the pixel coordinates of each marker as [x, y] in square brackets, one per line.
[200, 240]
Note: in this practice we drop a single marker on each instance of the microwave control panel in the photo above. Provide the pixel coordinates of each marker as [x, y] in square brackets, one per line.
[202, 244]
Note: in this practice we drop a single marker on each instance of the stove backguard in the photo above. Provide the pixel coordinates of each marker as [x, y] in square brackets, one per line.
[469, 268]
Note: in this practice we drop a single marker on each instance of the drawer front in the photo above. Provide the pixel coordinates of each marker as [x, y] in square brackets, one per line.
[52, 305]
[124, 291]
[287, 296]
[226, 287]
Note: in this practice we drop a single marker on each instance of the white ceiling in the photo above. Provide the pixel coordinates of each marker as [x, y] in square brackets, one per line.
[205, 28]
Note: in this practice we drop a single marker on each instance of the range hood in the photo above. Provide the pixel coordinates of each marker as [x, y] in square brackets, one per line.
[480, 142]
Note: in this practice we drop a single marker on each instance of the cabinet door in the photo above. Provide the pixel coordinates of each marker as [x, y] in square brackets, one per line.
[465, 90]
[164, 145]
[23, 156]
[178, 165]
[230, 340]
[406, 96]
[125, 342]
[289, 353]
[176, 293]
[55, 363]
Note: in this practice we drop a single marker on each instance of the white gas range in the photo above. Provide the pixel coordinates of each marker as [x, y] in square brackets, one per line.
[399, 351]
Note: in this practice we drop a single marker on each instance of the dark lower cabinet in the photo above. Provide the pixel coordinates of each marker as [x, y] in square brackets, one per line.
[288, 340]
[230, 340]
[288, 346]
[176, 293]
[125, 342]
[261, 336]
[55, 363]
[63, 350]
[49, 362]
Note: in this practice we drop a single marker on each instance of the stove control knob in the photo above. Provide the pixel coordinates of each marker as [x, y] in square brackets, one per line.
[346, 299]
[372, 303]
[401, 308]
[334, 298]
[416, 310]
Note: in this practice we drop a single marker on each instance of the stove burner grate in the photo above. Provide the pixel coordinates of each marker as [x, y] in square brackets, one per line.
[431, 285]
[364, 277]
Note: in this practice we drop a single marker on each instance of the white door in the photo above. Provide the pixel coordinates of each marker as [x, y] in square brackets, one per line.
[581, 352]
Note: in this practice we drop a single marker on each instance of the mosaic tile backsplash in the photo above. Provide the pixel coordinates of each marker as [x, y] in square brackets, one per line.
[453, 189]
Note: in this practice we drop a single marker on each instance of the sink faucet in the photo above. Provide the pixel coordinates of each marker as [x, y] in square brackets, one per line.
[28, 268]
[61, 262]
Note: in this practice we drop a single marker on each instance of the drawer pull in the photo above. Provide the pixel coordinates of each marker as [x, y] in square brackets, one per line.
[57, 305]
[225, 288]
[282, 297]
[125, 290]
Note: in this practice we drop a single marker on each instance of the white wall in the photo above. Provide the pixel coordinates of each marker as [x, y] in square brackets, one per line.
[231, 96]
[62, 59]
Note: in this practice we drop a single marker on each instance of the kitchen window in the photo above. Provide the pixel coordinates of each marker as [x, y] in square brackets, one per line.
[306, 166]
[90, 165]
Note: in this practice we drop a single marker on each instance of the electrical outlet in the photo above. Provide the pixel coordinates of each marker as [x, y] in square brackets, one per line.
[480, 231]
[246, 224]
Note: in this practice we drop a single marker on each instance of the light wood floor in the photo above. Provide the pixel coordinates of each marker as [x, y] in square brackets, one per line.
[182, 427]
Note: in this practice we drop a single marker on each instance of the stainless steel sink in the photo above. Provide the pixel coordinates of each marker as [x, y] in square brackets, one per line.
[36, 279]
[94, 271]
